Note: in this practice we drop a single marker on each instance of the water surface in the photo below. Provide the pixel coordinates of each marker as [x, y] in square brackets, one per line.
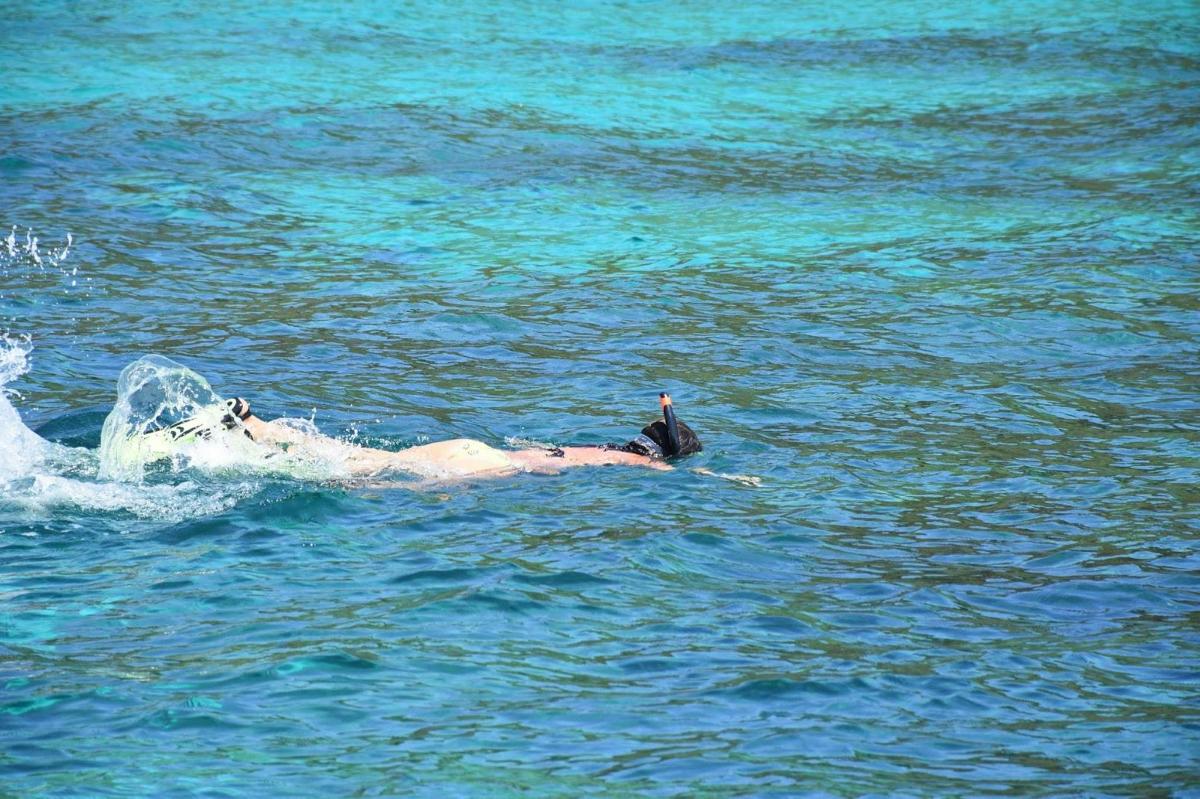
[930, 271]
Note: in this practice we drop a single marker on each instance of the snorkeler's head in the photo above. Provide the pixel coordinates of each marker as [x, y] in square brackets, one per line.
[654, 441]
[689, 442]
[664, 438]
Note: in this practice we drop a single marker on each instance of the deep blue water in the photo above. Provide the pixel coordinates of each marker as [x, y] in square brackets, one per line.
[928, 270]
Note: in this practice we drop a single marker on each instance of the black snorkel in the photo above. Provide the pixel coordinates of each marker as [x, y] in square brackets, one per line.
[668, 410]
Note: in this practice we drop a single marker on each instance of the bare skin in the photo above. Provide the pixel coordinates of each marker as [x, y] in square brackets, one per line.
[454, 459]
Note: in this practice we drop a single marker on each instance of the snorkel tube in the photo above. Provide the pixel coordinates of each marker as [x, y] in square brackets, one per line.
[664, 399]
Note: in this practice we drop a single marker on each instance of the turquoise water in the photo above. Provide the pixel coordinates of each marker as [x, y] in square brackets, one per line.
[929, 270]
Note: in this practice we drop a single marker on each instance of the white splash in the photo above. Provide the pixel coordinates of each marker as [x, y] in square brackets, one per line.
[21, 449]
[200, 478]
[38, 476]
[31, 248]
[158, 399]
[38, 270]
[41, 494]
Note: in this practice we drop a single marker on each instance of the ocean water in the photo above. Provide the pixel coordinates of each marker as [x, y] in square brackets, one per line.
[929, 270]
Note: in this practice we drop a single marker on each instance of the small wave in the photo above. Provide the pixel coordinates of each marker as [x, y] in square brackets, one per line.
[521, 442]
[41, 494]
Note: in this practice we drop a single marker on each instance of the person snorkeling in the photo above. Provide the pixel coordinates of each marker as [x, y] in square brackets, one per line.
[660, 441]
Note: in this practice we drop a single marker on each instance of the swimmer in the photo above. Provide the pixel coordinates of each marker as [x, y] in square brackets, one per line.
[459, 458]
